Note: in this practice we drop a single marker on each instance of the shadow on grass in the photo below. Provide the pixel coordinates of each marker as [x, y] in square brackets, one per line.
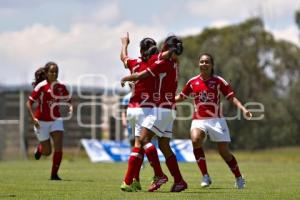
[194, 190]
[8, 195]
[70, 180]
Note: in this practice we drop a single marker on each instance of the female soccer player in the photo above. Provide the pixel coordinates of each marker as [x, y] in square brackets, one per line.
[48, 92]
[139, 104]
[205, 88]
[160, 120]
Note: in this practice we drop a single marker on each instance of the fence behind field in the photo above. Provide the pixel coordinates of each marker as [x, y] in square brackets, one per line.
[97, 121]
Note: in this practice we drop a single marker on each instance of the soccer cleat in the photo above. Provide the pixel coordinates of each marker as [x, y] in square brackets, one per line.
[37, 154]
[206, 181]
[137, 185]
[127, 188]
[157, 182]
[178, 187]
[240, 182]
[55, 178]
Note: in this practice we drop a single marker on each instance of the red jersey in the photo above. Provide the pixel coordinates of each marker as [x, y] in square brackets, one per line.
[142, 93]
[48, 97]
[166, 74]
[206, 95]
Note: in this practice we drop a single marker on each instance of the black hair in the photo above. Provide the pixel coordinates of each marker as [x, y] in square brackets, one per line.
[173, 43]
[148, 48]
[210, 57]
[39, 76]
[48, 65]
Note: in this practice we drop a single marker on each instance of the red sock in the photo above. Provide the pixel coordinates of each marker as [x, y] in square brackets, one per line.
[172, 165]
[152, 156]
[132, 162]
[40, 148]
[233, 165]
[201, 161]
[56, 162]
[140, 160]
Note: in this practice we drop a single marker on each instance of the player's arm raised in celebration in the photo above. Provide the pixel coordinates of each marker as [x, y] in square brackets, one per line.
[124, 52]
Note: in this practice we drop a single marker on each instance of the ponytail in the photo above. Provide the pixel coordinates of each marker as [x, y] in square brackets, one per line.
[39, 76]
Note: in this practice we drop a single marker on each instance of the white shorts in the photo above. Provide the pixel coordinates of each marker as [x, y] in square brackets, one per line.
[160, 121]
[135, 117]
[47, 127]
[216, 128]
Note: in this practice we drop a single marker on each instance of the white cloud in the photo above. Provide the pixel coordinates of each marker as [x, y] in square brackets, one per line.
[277, 14]
[84, 49]
[289, 33]
[220, 23]
[91, 44]
[189, 31]
[274, 12]
[220, 9]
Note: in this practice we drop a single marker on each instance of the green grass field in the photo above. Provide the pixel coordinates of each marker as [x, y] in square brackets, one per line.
[272, 174]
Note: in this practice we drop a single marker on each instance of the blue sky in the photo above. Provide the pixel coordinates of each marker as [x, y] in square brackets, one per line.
[83, 37]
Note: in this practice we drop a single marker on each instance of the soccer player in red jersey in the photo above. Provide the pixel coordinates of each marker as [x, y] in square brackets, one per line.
[139, 104]
[205, 89]
[160, 120]
[48, 92]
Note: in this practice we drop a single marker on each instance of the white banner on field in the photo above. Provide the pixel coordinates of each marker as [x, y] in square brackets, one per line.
[112, 151]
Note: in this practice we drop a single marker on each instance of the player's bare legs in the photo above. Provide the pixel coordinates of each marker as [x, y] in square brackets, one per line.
[224, 151]
[164, 146]
[198, 136]
[43, 148]
[46, 147]
[57, 137]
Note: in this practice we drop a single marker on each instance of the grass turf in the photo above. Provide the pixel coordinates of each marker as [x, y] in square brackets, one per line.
[271, 174]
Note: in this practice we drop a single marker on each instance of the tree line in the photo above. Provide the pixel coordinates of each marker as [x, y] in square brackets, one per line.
[261, 69]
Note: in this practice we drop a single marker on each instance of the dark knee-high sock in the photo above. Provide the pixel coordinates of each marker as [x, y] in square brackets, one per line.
[233, 165]
[140, 160]
[152, 156]
[173, 167]
[132, 162]
[57, 157]
[201, 161]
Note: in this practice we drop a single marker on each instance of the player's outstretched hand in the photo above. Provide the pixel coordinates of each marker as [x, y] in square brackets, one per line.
[248, 115]
[36, 123]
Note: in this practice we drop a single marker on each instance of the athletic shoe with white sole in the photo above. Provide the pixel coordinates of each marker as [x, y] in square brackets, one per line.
[240, 182]
[206, 181]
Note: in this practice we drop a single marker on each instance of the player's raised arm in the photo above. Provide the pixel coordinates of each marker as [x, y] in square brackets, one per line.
[124, 52]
